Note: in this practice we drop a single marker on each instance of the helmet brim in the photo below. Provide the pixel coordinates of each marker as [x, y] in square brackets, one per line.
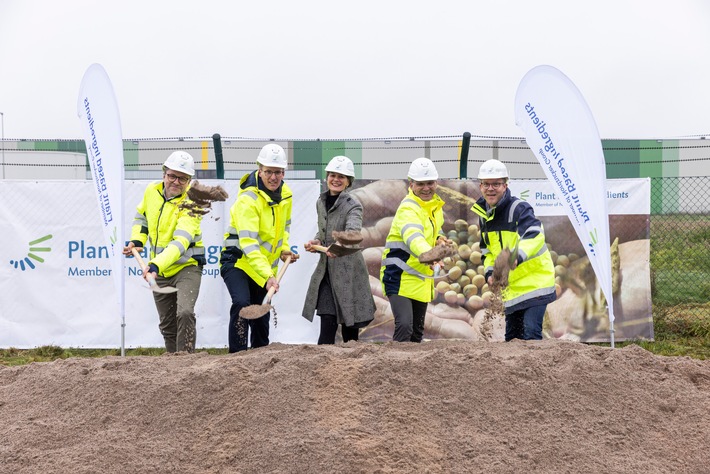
[178, 169]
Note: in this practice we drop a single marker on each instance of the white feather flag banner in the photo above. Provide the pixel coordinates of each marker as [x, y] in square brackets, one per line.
[560, 129]
[101, 125]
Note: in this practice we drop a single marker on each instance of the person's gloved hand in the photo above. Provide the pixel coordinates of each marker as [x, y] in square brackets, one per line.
[286, 254]
[151, 270]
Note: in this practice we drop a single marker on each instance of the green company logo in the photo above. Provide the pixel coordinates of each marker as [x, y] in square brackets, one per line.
[594, 239]
[525, 195]
[26, 262]
[114, 237]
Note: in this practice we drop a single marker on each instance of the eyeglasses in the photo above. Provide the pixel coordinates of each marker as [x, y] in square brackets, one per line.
[269, 173]
[180, 179]
[492, 185]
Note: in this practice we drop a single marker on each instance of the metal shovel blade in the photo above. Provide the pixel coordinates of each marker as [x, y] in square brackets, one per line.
[347, 237]
[255, 311]
[341, 251]
[165, 290]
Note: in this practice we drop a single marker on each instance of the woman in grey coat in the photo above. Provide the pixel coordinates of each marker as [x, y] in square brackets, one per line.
[340, 287]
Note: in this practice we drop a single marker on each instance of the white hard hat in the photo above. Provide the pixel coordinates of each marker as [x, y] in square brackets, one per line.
[492, 169]
[181, 161]
[422, 169]
[342, 165]
[272, 155]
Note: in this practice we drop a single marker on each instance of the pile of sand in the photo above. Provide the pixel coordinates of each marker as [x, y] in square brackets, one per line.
[440, 406]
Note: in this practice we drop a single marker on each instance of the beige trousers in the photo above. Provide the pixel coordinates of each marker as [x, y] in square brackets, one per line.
[177, 310]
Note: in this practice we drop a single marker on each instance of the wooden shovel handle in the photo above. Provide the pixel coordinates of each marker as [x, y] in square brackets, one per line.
[137, 255]
[272, 290]
[319, 248]
[144, 267]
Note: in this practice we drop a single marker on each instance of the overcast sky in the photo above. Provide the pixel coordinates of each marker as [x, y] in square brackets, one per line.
[356, 69]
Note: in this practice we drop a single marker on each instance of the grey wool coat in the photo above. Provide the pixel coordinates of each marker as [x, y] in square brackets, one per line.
[348, 275]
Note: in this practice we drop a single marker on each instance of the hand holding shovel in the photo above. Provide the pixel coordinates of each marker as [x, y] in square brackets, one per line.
[255, 311]
[336, 249]
[151, 281]
[345, 244]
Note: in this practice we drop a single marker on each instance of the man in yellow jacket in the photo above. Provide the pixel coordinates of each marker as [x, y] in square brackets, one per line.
[508, 222]
[177, 254]
[257, 238]
[416, 228]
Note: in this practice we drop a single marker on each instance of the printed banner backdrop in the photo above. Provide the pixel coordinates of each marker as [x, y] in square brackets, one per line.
[624, 196]
[560, 129]
[580, 314]
[64, 299]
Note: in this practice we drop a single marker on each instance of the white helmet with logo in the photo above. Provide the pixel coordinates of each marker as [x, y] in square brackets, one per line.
[492, 169]
[422, 169]
[342, 165]
[181, 161]
[272, 155]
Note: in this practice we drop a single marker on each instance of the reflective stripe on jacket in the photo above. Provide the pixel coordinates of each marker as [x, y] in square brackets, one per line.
[415, 229]
[174, 235]
[533, 280]
[258, 231]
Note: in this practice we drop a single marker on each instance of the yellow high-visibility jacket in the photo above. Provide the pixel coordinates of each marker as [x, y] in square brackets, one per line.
[415, 229]
[532, 282]
[258, 230]
[175, 236]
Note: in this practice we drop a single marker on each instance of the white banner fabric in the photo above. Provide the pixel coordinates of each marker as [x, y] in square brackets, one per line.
[560, 129]
[64, 300]
[626, 196]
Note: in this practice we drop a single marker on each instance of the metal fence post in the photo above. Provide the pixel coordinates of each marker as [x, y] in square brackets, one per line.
[219, 159]
[463, 161]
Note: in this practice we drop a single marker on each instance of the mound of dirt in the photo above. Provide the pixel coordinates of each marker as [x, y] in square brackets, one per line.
[440, 406]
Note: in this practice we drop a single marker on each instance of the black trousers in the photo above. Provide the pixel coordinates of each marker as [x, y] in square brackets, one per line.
[329, 326]
[408, 318]
[244, 292]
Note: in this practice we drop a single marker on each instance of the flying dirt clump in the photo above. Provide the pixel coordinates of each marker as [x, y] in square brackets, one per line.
[257, 310]
[254, 311]
[499, 282]
[347, 237]
[438, 252]
[501, 269]
[201, 198]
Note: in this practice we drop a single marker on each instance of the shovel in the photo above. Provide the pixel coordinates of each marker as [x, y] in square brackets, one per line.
[336, 249]
[151, 281]
[436, 253]
[255, 311]
[513, 254]
[514, 251]
[347, 237]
